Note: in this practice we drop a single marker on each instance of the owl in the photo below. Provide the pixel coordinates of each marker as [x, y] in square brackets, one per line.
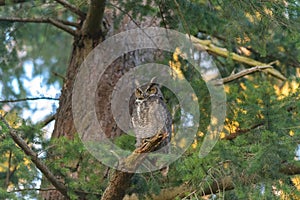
[150, 115]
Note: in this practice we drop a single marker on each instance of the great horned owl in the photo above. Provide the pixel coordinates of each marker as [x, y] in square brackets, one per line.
[150, 115]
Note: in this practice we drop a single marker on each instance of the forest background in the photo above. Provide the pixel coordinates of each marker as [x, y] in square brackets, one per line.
[255, 46]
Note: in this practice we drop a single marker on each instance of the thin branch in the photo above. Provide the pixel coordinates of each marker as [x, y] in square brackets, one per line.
[6, 2]
[61, 24]
[34, 158]
[242, 73]
[126, 13]
[38, 20]
[28, 99]
[31, 20]
[32, 189]
[2, 137]
[46, 121]
[185, 25]
[239, 131]
[59, 76]
[58, 24]
[133, 20]
[72, 8]
[68, 23]
[8, 173]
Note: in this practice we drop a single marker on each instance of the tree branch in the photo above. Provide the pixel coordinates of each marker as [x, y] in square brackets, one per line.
[6, 2]
[8, 172]
[244, 73]
[93, 24]
[120, 181]
[218, 185]
[290, 168]
[32, 189]
[72, 8]
[28, 99]
[239, 131]
[34, 158]
[46, 121]
[212, 49]
[126, 13]
[61, 24]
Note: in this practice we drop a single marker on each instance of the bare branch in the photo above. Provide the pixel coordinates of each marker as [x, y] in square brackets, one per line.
[28, 99]
[31, 189]
[59, 76]
[34, 158]
[72, 8]
[58, 24]
[46, 121]
[32, 20]
[61, 24]
[68, 23]
[242, 73]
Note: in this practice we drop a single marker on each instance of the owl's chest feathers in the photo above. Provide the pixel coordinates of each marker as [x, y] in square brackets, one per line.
[143, 108]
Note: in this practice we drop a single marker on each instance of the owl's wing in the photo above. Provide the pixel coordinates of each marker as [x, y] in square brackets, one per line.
[131, 104]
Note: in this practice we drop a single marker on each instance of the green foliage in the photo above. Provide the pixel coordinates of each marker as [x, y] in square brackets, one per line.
[17, 172]
[268, 122]
[69, 159]
[125, 142]
[46, 48]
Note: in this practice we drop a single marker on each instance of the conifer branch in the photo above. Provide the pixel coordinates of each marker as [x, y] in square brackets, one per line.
[34, 158]
[61, 24]
[208, 46]
[239, 131]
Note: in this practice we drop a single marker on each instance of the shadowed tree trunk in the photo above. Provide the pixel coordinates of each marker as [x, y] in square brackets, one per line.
[87, 38]
[90, 34]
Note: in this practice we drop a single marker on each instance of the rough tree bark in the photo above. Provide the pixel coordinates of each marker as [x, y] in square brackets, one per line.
[88, 36]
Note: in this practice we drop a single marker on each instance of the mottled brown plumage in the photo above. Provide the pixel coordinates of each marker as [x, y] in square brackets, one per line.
[150, 116]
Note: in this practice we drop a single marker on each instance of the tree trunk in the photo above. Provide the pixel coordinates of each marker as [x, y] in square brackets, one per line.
[89, 36]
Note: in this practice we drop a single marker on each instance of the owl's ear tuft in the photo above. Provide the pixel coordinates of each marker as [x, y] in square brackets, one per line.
[153, 80]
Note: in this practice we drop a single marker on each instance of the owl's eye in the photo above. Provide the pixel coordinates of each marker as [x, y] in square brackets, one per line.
[138, 94]
[152, 90]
